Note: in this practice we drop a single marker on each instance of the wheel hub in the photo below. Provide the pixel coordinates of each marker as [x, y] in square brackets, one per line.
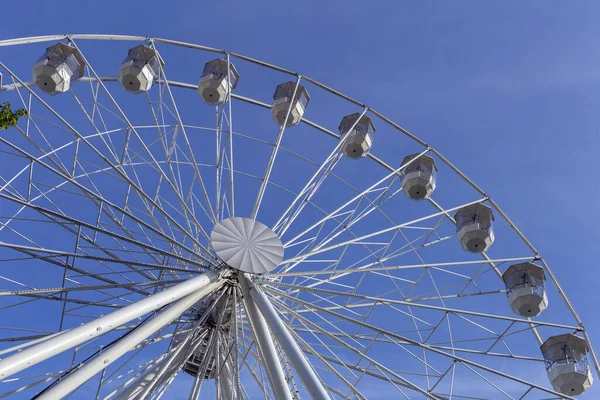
[247, 245]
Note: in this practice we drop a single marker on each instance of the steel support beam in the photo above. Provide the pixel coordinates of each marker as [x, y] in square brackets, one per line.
[225, 379]
[265, 343]
[288, 344]
[71, 338]
[146, 379]
[82, 374]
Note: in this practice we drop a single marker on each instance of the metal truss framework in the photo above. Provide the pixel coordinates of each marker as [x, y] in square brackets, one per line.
[116, 213]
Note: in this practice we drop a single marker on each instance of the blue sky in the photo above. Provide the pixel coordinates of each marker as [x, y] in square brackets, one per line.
[509, 91]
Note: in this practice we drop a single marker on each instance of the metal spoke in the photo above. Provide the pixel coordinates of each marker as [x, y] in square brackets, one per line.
[265, 179]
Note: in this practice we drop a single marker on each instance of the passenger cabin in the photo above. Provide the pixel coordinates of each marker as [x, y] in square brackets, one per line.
[215, 83]
[139, 69]
[567, 364]
[284, 100]
[474, 227]
[418, 178]
[356, 135]
[525, 289]
[55, 71]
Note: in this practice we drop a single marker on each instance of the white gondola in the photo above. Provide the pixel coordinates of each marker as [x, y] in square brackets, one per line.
[214, 83]
[139, 69]
[567, 364]
[418, 178]
[283, 101]
[525, 289]
[357, 141]
[474, 227]
[220, 310]
[58, 68]
[195, 361]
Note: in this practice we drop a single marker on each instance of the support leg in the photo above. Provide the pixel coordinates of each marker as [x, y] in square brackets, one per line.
[288, 344]
[226, 387]
[81, 375]
[71, 338]
[265, 343]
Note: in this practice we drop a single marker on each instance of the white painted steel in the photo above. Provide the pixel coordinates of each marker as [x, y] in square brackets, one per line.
[145, 380]
[100, 326]
[78, 377]
[288, 343]
[225, 379]
[266, 345]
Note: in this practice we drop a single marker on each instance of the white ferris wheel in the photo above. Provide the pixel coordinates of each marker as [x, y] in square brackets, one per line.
[180, 221]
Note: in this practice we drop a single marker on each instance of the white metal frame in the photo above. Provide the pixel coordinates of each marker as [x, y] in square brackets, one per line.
[160, 250]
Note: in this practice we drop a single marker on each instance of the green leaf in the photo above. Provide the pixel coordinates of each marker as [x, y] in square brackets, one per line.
[8, 117]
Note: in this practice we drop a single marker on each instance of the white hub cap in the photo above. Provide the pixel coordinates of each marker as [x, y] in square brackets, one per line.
[247, 245]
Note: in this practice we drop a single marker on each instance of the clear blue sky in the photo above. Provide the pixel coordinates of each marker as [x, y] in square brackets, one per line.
[509, 91]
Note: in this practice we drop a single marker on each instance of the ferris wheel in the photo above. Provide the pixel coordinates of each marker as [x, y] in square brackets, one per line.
[180, 221]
